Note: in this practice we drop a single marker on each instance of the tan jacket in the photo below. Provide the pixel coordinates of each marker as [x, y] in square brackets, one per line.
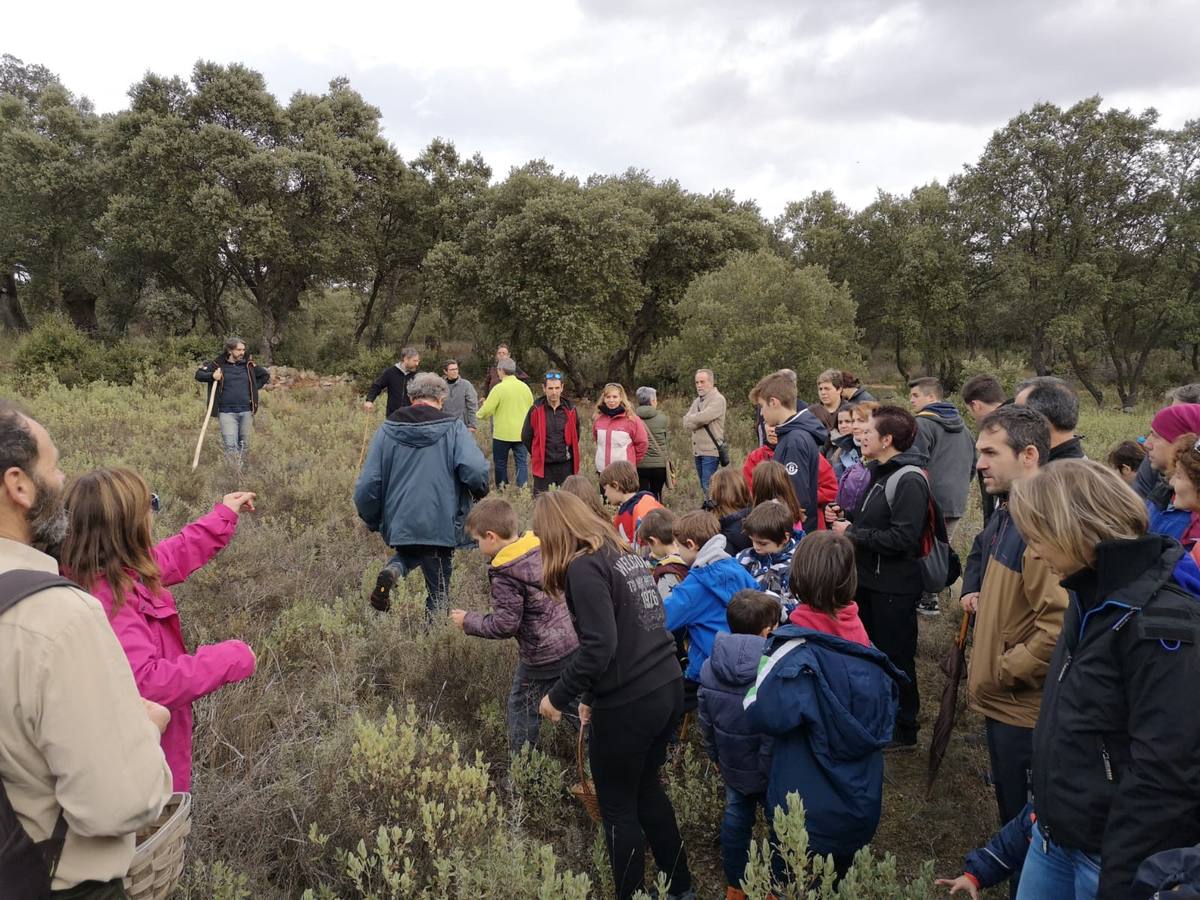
[73, 732]
[707, 410]
[1021, 608]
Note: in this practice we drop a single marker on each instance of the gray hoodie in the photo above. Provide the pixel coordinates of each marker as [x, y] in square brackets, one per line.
[949, 451]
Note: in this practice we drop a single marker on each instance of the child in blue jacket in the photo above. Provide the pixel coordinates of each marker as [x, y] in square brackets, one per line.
[698, 603]
[831, 702]
[742, 755]
[997, 860]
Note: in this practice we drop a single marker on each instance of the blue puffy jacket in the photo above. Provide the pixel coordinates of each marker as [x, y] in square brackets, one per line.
[1004, 854]
[831, 704]
[743, 754]
[419, 477]
[699, 601]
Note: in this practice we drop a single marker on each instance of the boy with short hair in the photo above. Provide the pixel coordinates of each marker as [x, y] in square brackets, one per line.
[657, 534]
[620, 482]
[698, 603]
[768, 559]
[743, 756]
[830, 699]
[521, 609]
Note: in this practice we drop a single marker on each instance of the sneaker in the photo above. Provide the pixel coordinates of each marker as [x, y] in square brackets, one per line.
[380, 597]
[928, 605]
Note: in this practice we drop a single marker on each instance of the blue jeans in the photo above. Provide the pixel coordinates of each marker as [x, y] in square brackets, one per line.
[435, 564]
[500, 459]
[235, 431]
[706, 467]
[1053, 871]
[737, 830]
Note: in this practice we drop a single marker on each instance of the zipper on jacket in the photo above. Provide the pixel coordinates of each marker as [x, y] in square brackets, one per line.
[1108, 771]
[1066, 665]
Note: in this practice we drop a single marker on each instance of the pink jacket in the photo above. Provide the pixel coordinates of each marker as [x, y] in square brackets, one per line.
[147, 627]
[620, 437]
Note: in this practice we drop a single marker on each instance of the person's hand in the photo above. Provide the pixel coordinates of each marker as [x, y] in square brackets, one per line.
[547, 710]
[585, 714]
[838, 526]
[157, 714]
[239, 499]
[458, 616]
[368, 405]
[961, 883]
[833, 512]
[970, 602]
[218, 374]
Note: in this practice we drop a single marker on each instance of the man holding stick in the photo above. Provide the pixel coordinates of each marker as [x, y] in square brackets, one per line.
[235, 380]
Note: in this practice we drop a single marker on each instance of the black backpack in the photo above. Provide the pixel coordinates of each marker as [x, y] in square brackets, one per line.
[26, 868]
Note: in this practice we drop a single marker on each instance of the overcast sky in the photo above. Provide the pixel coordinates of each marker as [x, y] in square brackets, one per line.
[773, 99]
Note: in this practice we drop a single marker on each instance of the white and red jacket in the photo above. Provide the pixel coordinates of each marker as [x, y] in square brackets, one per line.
[618, 437]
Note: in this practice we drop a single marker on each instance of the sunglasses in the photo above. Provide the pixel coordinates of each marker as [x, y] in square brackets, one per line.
[155, 503]
[556, 376]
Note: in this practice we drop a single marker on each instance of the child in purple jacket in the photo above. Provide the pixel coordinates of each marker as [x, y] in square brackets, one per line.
[521, 609]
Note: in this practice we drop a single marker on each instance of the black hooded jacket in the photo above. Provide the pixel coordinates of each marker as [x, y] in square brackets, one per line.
[887, 539]
[1116, 772]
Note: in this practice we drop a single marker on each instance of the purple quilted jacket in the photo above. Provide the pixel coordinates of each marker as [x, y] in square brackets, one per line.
[520, 609]
[852, 486]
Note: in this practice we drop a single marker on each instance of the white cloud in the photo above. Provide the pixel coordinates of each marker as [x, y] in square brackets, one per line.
[769, 97]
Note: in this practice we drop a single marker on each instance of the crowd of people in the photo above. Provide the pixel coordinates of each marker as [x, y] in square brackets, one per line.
[783, 614]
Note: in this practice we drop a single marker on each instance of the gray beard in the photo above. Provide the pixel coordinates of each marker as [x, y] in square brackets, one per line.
[47, 519]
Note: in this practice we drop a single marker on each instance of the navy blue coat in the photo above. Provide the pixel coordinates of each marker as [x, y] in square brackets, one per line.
[1004, 854]
[419, 477]
[831, 704]
[743, 754]
[801, 439]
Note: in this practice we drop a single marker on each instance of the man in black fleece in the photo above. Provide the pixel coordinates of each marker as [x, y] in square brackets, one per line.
[236, 379]
[1055, 400]
[394, 380]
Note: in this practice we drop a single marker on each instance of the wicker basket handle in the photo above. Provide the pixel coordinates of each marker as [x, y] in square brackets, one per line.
[579, 754]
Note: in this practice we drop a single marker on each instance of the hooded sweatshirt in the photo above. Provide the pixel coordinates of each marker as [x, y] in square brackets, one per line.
[845, 624]
[831, 704]
[949, 452]
[743, 755]
[799, 450]
[421, 471]
[699, 601]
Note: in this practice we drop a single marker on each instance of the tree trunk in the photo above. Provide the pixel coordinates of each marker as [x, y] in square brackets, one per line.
[80, 305]
[364, 319]
[1196, 357]
[900, 357]
[418, 305]
[12, 316]
[569, 369]
[1086, 380]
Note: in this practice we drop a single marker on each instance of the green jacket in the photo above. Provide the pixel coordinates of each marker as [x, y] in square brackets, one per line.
[656, 423]
[508, 402]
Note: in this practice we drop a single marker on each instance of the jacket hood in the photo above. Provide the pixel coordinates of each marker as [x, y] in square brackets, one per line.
[629, 504]
[845, 442]
[845, 624]
[418, 425]
[1131, 570]
[735, 658]
[944, 414]
[712, 551]
[647, 412]
[807, 422]
[514, 551]
[848, 730]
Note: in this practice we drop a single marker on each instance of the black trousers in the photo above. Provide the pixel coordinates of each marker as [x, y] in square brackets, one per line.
[627, 749]
[94, 890]
[891, 623]
[653, 480]
[555, 474]
[1010, 749]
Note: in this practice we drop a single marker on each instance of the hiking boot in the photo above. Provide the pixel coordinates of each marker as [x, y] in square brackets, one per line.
[928, 605]
[380, 597]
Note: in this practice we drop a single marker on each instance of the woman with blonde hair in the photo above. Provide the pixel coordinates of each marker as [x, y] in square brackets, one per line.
[1116, 776]
[108, 550]
[628, 681]
[618, 432]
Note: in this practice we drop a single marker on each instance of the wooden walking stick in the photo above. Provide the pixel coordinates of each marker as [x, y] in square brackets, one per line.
[362, 454]
[212, 396]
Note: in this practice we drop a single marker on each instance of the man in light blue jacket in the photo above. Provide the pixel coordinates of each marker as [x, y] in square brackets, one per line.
[418, 482]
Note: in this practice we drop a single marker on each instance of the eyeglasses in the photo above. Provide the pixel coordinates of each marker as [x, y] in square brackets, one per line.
[155, 503]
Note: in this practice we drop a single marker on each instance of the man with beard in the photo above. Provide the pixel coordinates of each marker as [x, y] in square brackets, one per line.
[237, 379]
[79, 750]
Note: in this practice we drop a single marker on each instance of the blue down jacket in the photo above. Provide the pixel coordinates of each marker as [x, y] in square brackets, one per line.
[743, 755]
[831, 704]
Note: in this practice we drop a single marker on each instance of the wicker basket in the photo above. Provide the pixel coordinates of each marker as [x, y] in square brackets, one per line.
[158, 860]
[583, 790]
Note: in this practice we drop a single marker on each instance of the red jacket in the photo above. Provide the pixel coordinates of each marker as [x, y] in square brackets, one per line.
[619, 437]
[827, 483]
[536, 424]
[630, 514]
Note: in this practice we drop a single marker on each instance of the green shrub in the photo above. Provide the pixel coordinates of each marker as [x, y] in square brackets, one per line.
[56, 345]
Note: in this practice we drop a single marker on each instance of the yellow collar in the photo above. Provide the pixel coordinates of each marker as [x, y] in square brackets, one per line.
[522, 545]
